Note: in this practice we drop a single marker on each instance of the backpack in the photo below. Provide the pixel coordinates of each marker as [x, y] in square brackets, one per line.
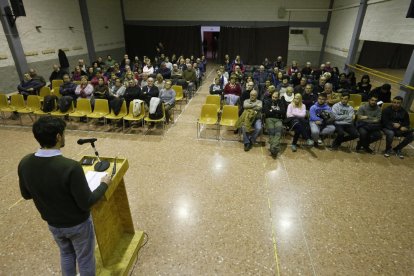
[64, 103]
[158, 112]
[116, 105]
[49, 103]
[136, 107]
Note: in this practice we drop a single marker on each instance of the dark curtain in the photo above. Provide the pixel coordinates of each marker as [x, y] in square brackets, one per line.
[180, 40]
[376, 54]
[254, 44]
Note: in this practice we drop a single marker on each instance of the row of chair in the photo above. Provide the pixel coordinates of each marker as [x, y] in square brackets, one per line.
[210, 115]
[83, 110]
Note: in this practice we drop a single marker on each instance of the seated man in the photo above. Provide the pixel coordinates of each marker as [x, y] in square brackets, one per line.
[98, 75]
[318, 124]
[222, 78]
[344, 116]
[68, 87]
[29, 86]
[149, 91]
[260, 78]
[396, 122]
[132, 92]
[309, 98]
[251, 117]
[300, 88]
[369, 124]
[382, 93]
[167, 96]
[216, 88]
[33, 74]
[332, 97]
[275, 111]
[56, 74]
[164, 71]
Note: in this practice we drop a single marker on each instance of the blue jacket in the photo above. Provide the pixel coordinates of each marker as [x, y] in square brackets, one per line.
[316, 109]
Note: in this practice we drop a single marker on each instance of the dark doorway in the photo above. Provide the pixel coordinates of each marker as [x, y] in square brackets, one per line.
[376, 54]
[210, 37]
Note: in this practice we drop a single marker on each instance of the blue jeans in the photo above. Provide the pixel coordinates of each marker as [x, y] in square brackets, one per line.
[317, 130]
[257, 128]
[76, 243]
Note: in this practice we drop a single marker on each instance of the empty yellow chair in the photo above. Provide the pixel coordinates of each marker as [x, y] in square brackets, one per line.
[121, 114]
[100, 111]
[130, 116]
[32, 105]
[16, 104]
[179, 95]
[356, 99]
[214, 99]
[208, 116]
[4, 105]
[229, 116]
[56, 83]
[83, 108]
[44, 91]
[411, 120]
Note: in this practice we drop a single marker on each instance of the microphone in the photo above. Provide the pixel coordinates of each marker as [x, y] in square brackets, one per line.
[89, 140]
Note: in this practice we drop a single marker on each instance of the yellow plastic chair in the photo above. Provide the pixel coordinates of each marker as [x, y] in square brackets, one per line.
[32, 105]
[411, 119]
[4, 105]
[56, 91]
[100, 111]
[83, 108]
[148, 120]
[208, 116]
[56, 83]
[229, 116]
[44, 91]
[385, 105]
[214, 99]
[122, 113]
[357, 99]
[130, 116]
[77, 82]
[16, 104]
[179, 95]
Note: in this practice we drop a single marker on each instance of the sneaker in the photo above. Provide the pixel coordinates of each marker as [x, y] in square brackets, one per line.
[247, 147]
[309, 142]
[387, 153]
[399, 154]
[294, 148]
[274, 153]
[368, 150]
[320, 142]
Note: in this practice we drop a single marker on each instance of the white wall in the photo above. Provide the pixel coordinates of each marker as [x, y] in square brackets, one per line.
[6, 58]
[386, 22]
[310, 40]
[219, 10]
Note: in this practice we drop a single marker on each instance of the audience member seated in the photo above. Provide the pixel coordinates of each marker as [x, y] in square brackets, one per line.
[149, 91]
[109, 61]
[260, 78]
[182, 65]
[117, 89]
[300, 88]
[318, 120]
[343, 84]
[307, 70]
[396, 123]
[90, 73]
[190, 77]
[176, 73]
[199, 75]
[274, 110]
[148, 68]
[82, 66]
[368, 124]
[132, 92]
[289, 95]
[167, 96]
[68, 88]
[293, 69]
[364, 87]
[295, 79]
[29, 86]
[84, 89]
[56, 74]
[251, 118]
[112, 80]
[232, 91]
[222, 78]
[164, 71]
[224, 72]
[317, 73]
[382, 93]
[237, 63]
[238, 73]
[77, 74]
[216, 88]
[320, 85]
[245, 95]
[278, 78]
[328, 67]
[296, 121]
[279, 63]
[168, 64]
[332, 97]
[267, 64]
[309, 98]
[159, 82]
[98, 75]
[268, 90]
[344, 122]
[33, 74]
[282, 87]
[101, 91]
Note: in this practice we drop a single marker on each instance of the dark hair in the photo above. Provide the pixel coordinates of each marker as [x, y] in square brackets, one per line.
[323, 95]
[386, 86]
[45, 130]
[345, 94]
[398, 98]
[366, 77]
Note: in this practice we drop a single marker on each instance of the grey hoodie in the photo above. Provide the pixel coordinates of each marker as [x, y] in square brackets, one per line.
[343, 114]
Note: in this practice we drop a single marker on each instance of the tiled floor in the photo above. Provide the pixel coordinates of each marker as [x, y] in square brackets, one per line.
[210, 208]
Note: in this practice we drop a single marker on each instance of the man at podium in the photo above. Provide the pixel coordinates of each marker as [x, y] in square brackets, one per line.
[61, 194]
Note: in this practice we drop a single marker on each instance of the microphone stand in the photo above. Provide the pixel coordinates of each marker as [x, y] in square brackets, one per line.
[102, 165]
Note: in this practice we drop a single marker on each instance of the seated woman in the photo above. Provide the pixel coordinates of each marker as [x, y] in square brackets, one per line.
[159, 81]
[232, 91]
[167, 96]
[364, 87]
[282, 87]
[84, 89]
[90, 73]
[296, 113]
[289, 96]
[216, 88]
[77, 74]
[117, 89]
[101, 90]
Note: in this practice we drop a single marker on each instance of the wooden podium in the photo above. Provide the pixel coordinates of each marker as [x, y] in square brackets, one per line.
[117, 241]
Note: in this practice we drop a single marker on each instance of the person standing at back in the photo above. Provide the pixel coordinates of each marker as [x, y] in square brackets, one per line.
[61, 194]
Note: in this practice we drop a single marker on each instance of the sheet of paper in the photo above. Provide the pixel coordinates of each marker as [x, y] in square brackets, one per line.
[94, 179]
